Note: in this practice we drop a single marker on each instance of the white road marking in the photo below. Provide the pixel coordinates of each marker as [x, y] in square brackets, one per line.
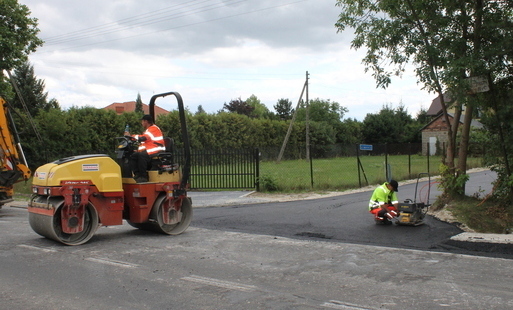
[335, 304]
[111, 262]
[32, 247]
[220, 283]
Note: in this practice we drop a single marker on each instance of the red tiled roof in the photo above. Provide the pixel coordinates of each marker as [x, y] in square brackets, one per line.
[122, 107]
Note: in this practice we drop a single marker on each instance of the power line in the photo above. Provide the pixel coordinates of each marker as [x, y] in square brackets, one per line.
[114, 27]
[176, 11]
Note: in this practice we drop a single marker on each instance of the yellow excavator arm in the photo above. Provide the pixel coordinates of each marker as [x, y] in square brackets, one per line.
[13, 165]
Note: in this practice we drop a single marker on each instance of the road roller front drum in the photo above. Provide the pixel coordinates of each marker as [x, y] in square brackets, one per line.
[51, 226]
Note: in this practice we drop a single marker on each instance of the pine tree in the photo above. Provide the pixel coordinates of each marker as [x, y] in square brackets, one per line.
[32, 90]
[139, 104]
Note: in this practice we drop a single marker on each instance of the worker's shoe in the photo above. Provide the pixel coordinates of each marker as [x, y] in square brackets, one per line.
[391, 214]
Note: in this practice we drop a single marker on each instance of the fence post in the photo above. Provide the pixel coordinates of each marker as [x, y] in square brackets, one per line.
[386, 162]
[358, 165]
[311, 164]
[409, 160]
[428, 154]
[256, 158]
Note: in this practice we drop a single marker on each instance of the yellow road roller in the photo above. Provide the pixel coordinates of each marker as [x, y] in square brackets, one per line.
[73, 196]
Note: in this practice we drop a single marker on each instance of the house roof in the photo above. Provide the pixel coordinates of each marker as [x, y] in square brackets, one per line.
[436, 105]
[473, 124]
[129, 106]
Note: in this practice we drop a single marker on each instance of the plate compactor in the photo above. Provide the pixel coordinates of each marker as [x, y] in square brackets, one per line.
[74, 196]
[411, 212]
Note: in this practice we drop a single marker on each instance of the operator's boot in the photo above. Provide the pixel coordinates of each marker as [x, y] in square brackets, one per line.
[391, 215]
[380, 220]
[141, 178]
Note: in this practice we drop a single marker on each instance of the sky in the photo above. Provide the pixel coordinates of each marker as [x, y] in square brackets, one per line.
[99, 52]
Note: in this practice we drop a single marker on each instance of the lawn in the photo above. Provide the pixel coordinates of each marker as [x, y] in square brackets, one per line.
[343, 173]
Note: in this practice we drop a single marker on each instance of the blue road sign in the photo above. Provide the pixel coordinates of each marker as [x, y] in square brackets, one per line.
[365, 147]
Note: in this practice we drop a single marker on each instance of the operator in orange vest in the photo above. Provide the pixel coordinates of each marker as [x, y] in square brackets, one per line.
[151, 143]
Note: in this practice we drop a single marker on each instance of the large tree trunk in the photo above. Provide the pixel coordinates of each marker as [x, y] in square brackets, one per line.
[465, 137]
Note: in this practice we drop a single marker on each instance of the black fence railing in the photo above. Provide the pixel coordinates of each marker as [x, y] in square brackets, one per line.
[331, 167]
[223, 169]
[344, 166]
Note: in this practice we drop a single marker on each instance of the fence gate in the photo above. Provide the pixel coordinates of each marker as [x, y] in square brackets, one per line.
[224, 169]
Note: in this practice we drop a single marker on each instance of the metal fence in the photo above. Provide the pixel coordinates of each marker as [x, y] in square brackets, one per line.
[330, 167]
[223, 169]
[342, 166]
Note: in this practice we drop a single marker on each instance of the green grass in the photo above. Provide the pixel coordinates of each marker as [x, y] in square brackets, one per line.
[483, 216]
[342, 173]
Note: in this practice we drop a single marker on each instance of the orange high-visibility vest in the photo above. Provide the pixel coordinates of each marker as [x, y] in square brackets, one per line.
[154, 142]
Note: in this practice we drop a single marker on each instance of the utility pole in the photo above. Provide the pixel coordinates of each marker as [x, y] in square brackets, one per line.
[307, 125]
[287, 136]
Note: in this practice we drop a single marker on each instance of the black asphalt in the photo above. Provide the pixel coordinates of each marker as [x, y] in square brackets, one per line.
[345, 219]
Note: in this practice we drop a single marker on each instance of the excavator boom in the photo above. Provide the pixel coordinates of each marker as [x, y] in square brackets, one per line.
[13, 165]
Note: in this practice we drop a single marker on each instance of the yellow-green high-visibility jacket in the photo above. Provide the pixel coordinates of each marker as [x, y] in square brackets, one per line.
[382, 195]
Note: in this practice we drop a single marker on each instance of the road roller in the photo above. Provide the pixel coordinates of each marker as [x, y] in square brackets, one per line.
[72, 197]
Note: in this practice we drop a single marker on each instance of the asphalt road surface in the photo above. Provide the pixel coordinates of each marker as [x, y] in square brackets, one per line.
[240, 257]
[345, 218]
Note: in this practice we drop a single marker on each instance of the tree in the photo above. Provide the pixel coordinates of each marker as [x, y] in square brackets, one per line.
[238, 106]
[284, 108]
[259, 109]
[18, 38]
[448, 41]
[349, 131]
[35, 100]
[388, 126]
[200, 110]
[32, 90]
[422, 117]
[323, 111]
[139, 104]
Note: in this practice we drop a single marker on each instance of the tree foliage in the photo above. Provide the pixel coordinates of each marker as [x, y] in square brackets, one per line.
[77, 131]
[18, 38]
[389, 126]
[238, 106]
[447, 41]
[139, 104]
[32, 90]
[260, 110]
[283, 108]
[321, 110]
[350, 132]
[200, 110]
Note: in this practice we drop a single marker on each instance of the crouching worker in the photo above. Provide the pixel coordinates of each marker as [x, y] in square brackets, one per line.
[151, 143]
[384, 203]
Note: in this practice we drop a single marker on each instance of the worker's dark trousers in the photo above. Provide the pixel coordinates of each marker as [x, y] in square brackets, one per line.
[139, 163]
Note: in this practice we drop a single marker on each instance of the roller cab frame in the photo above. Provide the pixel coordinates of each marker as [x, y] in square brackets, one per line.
[74, 196]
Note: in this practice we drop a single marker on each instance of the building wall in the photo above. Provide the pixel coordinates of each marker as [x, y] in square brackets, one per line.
[437, 129]
[441, 139]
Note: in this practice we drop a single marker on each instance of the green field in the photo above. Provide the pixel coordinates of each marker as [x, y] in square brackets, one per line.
[342, 173]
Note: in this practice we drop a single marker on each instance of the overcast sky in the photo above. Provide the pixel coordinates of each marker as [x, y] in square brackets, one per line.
[98, 52]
